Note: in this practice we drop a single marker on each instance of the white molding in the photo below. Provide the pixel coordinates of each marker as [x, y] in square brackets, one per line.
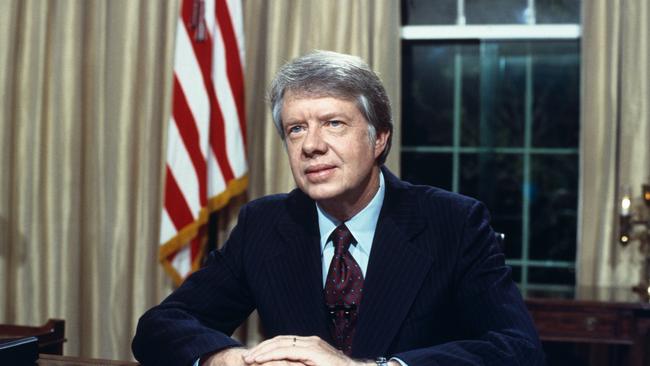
[509, 31]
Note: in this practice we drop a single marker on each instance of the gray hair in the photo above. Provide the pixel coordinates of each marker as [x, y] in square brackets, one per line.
[331, 74]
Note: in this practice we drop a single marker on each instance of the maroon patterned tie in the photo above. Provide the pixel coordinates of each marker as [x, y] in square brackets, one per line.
[343, 290]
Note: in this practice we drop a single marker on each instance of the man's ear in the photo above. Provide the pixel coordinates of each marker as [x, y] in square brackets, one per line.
[380, 142]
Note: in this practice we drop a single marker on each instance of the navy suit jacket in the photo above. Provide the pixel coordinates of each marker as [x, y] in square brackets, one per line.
[437, 290]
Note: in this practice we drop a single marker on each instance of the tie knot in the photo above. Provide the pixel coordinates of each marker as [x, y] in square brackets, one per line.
[342, 238]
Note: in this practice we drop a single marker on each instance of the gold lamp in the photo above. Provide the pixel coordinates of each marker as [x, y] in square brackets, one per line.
[625, 217]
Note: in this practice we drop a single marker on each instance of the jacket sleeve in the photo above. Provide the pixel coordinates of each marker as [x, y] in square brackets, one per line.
[199, 317]
[496, 326]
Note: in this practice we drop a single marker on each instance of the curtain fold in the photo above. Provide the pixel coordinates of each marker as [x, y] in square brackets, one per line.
[278, 31]
[615, 148]
[84, 104]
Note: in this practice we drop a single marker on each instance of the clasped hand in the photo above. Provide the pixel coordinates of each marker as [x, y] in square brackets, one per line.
[285, 351]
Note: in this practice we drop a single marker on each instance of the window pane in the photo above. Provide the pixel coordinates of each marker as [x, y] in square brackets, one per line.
[491, 81]
[516, 273]
[428, 97]
[470, 96]
[554, 200]
[421, 12]
[496, 180]
[433, 169]
[496, 11]
[557, 11]
[555, 276]
[556, 96]
[494, 95]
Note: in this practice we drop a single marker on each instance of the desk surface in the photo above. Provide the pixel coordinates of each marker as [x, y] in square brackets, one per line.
[53, 360]
[619, 297]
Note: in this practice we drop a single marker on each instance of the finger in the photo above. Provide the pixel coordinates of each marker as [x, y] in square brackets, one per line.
[299, 354]
[309, 352]
[278, 363]
[279, 341]
[266, 343]
[313, 342]
[270, 340]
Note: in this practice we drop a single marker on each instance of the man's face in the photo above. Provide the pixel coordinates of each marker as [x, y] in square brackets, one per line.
[330, 152]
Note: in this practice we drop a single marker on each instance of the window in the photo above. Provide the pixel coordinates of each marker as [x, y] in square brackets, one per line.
[490, 109]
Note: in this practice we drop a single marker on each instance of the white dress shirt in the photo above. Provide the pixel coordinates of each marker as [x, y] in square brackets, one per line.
[362, 227]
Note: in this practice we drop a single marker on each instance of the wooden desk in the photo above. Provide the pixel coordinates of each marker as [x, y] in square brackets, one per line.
[613, 316]
[52, 360]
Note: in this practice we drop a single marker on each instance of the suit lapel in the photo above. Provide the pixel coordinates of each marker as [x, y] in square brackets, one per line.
[295, 272]
[395, 272]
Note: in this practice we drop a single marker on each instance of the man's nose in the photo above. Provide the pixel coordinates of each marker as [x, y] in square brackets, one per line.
[314, 143]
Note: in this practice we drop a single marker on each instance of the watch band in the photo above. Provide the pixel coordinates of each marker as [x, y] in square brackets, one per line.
[381, 361]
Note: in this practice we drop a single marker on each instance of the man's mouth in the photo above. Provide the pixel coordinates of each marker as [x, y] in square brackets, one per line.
[319, 172]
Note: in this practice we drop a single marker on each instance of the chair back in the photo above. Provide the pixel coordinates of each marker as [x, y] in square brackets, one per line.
[501, 238]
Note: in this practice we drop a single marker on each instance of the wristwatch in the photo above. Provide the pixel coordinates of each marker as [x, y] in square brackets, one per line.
[381, 361]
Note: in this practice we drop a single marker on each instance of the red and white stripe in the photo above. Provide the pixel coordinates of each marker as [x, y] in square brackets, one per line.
[206, 159]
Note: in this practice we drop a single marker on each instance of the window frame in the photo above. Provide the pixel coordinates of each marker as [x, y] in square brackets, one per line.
[511, 32]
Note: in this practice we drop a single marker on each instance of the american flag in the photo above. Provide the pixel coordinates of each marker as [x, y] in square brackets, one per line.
[206, 159]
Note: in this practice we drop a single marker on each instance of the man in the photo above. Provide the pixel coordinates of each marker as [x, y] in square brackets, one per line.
[354, 267]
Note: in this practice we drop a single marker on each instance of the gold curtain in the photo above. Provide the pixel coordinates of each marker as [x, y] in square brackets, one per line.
[83, 112]
[615, 142]
[277, 31]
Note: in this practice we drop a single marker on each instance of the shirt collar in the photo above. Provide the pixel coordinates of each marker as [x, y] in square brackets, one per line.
[362, 225]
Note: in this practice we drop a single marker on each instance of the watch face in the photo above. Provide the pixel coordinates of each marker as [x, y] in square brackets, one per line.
[381, 361]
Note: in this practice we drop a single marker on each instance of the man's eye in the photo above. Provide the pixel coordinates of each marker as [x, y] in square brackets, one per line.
[334, 123]
[294, 129]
